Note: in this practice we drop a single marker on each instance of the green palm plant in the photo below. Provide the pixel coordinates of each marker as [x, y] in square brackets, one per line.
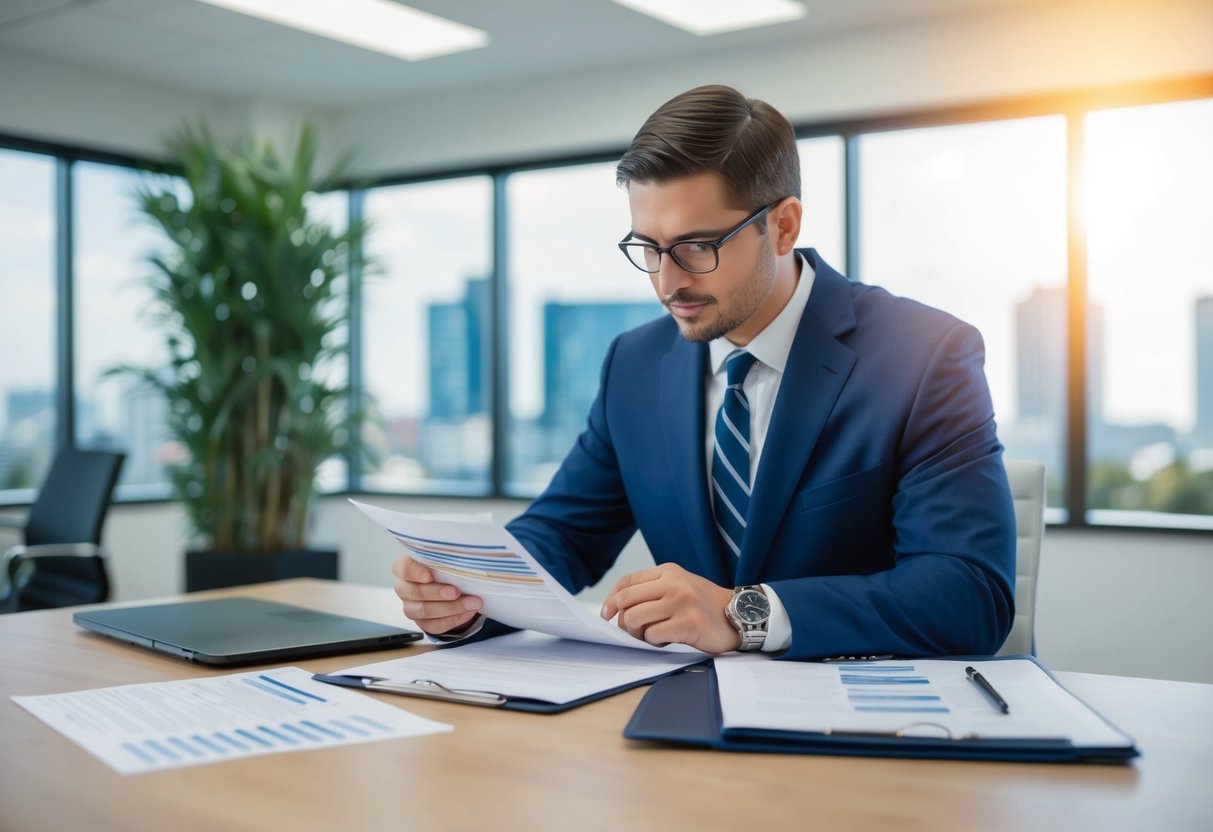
[252, 291]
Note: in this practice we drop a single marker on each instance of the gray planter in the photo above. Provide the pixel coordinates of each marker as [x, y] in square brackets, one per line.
[214, 570]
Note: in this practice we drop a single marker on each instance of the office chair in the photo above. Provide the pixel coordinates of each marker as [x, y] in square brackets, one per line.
[61, 562]
[1028, 490]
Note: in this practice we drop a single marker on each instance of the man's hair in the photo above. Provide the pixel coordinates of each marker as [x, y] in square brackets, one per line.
[715, 129]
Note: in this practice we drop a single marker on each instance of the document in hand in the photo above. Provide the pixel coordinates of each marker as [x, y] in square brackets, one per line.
[483, 559]
[521, 671]
[898, 708]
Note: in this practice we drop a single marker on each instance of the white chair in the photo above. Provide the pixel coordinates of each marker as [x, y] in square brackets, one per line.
[1028, 490]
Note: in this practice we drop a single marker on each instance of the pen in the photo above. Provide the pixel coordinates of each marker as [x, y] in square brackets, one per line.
[979, 680]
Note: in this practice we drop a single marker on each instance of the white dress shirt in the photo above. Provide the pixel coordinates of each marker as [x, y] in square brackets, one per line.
[771, 347]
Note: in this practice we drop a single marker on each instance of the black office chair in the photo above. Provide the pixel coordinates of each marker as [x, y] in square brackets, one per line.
[62, 562]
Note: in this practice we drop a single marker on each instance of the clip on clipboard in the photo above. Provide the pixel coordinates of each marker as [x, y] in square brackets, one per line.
[417, 687]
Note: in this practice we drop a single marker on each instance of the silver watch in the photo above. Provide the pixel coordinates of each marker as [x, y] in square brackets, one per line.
[749, 611]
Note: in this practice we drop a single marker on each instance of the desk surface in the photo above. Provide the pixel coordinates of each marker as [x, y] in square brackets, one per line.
[506, 770]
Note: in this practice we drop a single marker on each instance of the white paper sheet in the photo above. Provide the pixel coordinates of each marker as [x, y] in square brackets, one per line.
[483, 559]
[530, 665]
[136, 729]
[918, 697]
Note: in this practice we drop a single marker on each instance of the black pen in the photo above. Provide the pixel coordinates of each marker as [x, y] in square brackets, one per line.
[979, 680]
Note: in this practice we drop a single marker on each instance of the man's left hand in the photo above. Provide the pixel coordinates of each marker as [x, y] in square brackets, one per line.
[668, 605]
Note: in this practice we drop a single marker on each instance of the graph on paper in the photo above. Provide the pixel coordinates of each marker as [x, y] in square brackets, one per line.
[136, 729]
[482, 558]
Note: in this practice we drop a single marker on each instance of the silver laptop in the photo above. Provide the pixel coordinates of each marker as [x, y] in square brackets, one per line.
[240, 630]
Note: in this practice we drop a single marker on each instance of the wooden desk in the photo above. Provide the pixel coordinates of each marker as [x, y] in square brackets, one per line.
[500, 770]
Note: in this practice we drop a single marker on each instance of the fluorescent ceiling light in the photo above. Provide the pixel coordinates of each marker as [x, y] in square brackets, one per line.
[378, 25]
[711, 17]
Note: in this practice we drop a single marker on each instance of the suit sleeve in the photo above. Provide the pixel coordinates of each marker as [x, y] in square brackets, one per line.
[950, 588]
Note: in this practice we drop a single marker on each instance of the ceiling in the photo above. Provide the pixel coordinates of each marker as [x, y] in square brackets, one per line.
[191, 46]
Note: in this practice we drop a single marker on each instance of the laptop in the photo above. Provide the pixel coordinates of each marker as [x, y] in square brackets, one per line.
[240, 630]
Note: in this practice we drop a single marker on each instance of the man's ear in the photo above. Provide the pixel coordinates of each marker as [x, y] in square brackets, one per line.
[784, 225]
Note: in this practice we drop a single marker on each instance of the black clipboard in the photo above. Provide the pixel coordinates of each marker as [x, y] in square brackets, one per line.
[432, 690]
[684, 709]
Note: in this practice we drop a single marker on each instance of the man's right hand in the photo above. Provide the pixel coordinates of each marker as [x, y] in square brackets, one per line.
[436, 608]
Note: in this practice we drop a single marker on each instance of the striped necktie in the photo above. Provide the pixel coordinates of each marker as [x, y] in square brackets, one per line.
[731, 459]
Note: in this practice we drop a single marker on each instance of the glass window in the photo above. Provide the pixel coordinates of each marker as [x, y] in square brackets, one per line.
[1149, 211]
[333, 208]
[972, 219]
[27, 321]
[823, 193]
[115, 325]
[571, 292]
[427, 335]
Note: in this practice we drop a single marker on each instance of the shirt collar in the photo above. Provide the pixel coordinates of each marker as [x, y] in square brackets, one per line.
[771, 346]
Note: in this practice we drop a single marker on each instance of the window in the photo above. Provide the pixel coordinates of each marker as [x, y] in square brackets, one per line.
[972, 219]
[27, 320]
[823, 193]
[1149, 211]
[333, 208]
[427, 335]
[571, 292]
[115, 325]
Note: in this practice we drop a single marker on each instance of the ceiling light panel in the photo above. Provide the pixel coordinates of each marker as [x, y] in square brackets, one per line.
[378, 25]
[712, 17]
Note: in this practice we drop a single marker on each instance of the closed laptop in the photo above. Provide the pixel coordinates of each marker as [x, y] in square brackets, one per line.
[240, 630]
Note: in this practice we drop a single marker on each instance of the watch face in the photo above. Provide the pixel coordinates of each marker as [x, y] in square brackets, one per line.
[752, 606]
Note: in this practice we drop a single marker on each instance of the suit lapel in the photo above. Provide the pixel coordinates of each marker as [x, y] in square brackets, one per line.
[683, 373]
[817, 369]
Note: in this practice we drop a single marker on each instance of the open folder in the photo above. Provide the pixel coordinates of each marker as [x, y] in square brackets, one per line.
[909, 708]
[524, 671]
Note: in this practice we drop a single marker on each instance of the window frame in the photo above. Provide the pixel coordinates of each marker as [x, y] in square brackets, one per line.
[1072, 105]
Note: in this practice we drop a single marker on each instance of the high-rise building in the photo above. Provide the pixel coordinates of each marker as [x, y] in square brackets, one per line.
[576, 337]
[458, 341]
[1204, 370]
[1042, 332]
[454, 434]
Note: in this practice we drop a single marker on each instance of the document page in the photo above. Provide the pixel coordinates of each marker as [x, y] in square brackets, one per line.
[136, 729]
[528, 665]
[483, 559]
[929, 698]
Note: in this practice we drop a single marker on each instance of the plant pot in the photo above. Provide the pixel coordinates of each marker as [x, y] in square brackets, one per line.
[214, 570]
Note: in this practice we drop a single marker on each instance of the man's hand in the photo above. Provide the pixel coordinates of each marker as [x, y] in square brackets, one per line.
[434, 607]
[667, 604]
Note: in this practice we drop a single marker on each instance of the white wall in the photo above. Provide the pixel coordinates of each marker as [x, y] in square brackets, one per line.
[1121, 603]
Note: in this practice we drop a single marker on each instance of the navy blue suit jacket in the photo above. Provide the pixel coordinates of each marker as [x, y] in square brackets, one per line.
[880, 513]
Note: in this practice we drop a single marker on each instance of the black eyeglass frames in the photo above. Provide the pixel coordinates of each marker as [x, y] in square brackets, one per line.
[694, 256]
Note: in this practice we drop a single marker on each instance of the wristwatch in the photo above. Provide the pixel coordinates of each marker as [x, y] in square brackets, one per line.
[749, 611]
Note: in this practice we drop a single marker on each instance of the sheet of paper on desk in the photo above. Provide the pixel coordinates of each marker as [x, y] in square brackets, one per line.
[529, 665]
[137, 729]
[483, 559]
[921, 697]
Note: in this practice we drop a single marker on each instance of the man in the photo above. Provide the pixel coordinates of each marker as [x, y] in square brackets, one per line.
[812, 462]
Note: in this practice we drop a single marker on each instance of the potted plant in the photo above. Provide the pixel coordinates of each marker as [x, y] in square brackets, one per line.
[251, 289]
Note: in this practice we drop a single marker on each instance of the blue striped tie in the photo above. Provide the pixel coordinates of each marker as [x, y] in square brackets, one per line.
[731, 459]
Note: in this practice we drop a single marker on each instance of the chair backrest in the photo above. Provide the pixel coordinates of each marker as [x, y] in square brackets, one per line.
[71, 505]
[1028, 490]
[70, 508]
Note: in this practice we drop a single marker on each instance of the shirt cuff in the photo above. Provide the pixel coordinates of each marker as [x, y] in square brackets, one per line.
[472, 628]
[779, 626]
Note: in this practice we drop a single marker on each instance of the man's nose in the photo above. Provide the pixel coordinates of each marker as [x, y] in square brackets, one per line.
[671, 277]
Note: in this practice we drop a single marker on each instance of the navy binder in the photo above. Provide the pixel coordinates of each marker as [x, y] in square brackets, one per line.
[684, 709]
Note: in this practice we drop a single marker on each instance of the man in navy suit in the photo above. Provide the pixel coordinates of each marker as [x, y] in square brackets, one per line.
[812, 462]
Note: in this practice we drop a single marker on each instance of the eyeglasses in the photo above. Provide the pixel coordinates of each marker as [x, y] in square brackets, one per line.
[694, 256]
